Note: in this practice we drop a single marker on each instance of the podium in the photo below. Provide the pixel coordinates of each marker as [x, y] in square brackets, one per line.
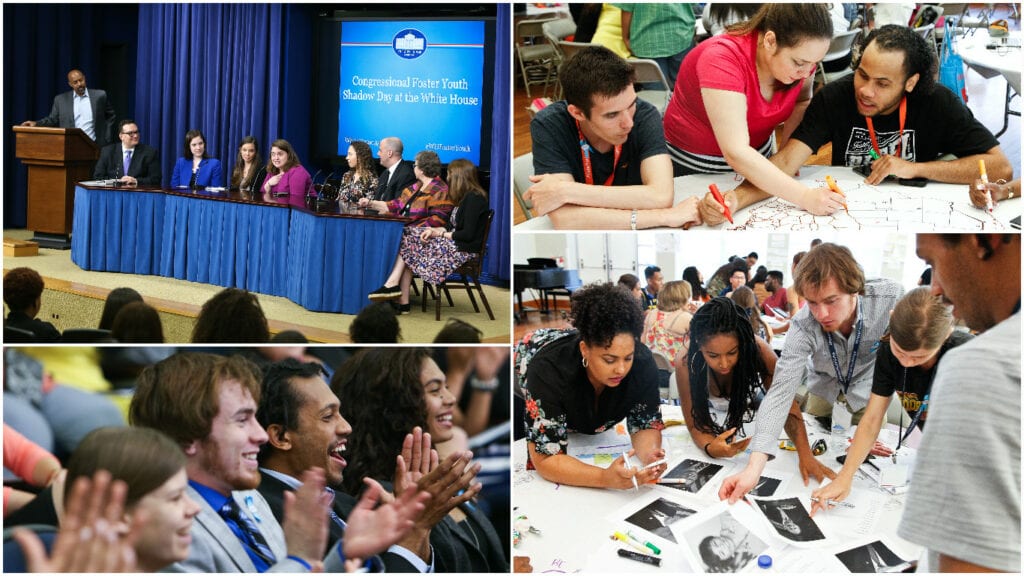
[57, 158]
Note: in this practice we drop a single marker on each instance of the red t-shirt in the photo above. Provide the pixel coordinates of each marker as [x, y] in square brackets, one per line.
[723, 62]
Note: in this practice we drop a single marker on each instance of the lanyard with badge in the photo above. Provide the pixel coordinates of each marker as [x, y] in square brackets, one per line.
[588, 169]
[903, 121]
[842, 417]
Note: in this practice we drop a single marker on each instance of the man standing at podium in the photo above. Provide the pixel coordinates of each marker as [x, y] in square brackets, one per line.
[81, 108]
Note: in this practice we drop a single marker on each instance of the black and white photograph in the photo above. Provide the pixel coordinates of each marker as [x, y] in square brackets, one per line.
[658, 517]
[690, 475]
[872, 558]
[765, 487]
[790, 519]
[723, 544]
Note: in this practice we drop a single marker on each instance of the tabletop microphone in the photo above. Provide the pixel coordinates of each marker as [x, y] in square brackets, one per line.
[312, 184]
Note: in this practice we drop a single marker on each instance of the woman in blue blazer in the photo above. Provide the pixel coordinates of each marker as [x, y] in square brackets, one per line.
[196, 168]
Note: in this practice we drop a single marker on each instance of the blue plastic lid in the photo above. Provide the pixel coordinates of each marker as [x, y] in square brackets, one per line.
[764, 561]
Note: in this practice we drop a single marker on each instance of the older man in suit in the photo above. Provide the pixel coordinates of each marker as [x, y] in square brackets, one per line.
[397, 174]
[130, 161]
[83, 108]
[208, 404]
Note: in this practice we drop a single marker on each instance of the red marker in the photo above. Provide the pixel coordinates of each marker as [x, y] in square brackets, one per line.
[721, 200]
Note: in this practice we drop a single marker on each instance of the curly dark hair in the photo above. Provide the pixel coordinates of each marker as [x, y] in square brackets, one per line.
[279, 403]
[365, 166]
[918, 57]
[723, 316]
[22, 287]
[382, 398]
[376, 324]
[594, 70]
[232, 316]
[601, 311]
[138, 323]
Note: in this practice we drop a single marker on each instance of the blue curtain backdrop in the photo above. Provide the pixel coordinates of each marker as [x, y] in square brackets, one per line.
[499, 248]
[42, 43]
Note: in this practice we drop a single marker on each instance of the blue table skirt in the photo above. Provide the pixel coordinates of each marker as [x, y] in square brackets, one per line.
[324, 264]
[333, 263]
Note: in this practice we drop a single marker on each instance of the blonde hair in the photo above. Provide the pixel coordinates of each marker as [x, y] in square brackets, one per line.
[674, 295]
[920, 321]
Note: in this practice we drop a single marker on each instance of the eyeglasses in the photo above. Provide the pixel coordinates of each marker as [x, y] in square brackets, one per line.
[132, 133]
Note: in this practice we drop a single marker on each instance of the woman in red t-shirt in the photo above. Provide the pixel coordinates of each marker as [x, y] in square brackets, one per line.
[735, 88]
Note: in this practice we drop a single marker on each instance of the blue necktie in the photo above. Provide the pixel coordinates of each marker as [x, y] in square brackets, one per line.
[334, 517]
[127, 161]
[250, 533]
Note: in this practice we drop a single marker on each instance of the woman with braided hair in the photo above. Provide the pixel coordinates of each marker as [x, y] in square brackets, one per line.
[727, 369]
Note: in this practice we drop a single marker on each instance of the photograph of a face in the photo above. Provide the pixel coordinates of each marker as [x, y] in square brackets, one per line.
[723, 544]
[790, 519]
[872, 558]
[690, 475]
[659, 516]
[766, 486]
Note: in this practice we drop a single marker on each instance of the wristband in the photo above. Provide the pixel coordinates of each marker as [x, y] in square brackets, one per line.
[706, 450]
[300, 561]
[483, 385]
[632, 220]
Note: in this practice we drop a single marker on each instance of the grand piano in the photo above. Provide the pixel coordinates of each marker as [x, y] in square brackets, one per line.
[546, 276]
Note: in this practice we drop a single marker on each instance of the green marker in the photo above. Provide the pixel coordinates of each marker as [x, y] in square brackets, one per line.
[874, 155]
[653, 548]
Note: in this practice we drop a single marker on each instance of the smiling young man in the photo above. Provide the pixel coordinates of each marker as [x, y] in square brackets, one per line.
[973, 437]
[599, 156]
[207, 404]
[831, 346]
[890, 108]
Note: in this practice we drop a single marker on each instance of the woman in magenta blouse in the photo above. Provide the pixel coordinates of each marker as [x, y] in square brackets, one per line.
[285, 175]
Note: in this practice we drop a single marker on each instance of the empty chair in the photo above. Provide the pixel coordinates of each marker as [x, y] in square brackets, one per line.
[556, 31]
[648, 73]
[535, 55]
[840, 47]
[522, 169]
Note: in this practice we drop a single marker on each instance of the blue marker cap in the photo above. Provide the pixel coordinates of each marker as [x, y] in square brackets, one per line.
[764, 561]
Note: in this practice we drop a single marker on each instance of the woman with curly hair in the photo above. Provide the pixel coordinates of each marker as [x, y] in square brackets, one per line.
[232, 316]
[360, 181]
[385, 393]
[587, 382]
[727, 369]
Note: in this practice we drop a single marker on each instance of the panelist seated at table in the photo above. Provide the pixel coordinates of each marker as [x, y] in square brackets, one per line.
[729, 368]
[890, 108]
[286, 178]
[599, 156]
[426, 201]
[920, 333]
[982, 192]
[196, 168]
[248, 165]
[733, 91]
[129, 161]
[360, 181]
[588, 380]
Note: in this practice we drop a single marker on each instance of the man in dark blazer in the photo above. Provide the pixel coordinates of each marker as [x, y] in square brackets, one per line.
[95, 114]
[129, 161]
[306, 430]
[397, 174]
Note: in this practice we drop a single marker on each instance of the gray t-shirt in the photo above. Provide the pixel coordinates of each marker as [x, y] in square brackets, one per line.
[806, 357]
[556, 145]
[964, 497]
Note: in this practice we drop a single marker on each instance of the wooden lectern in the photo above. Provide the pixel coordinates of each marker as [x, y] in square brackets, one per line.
[57, 158]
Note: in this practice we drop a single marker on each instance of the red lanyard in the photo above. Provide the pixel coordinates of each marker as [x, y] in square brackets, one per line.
[903, 120]
[588, 169]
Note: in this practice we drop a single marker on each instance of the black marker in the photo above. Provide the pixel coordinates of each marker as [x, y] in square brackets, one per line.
[646, 559]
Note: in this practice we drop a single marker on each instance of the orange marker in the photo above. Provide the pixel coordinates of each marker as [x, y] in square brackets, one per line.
[721, 200]
[984, 178]
[835, 188]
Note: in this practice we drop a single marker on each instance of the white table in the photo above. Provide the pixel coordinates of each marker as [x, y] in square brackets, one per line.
[576, 523]
[937, 207]
[1006, 61]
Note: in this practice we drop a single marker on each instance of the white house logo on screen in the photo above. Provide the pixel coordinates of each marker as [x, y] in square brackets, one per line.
[409, 43]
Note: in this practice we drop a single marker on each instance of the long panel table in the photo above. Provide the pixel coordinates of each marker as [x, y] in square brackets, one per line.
[323, 261]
